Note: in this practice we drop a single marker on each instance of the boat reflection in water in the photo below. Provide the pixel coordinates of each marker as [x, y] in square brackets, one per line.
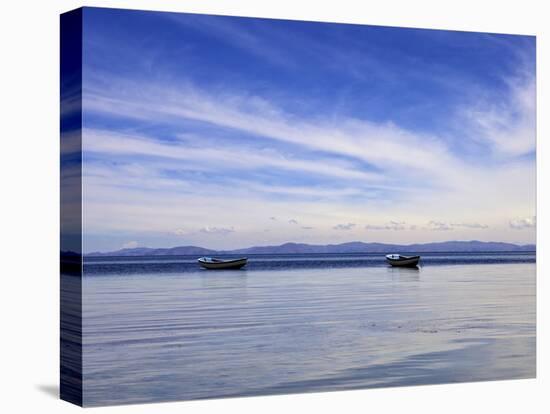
[404, 273]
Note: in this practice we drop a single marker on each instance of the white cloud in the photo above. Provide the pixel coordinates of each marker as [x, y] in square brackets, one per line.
[524, 223]
[439, 226]
[509, 126]
[106, 142]
[130, 245]
[470, 225]
[293, 221]
[375, 227]
[432, 225]
[391, 225]
[325, 191]
[347, 226]
[217, 230]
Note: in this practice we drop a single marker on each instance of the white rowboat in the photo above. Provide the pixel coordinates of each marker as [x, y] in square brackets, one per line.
[214, 264]
[400, 260]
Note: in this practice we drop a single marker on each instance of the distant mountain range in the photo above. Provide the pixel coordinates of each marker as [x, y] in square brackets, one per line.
[351, 247]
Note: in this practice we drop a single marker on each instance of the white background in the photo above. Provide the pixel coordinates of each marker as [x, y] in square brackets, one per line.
[29, 174]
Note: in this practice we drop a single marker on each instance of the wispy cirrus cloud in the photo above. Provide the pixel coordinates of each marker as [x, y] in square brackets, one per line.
[107, 142]
[230, 32]
[508, 126]
[427, 158]
[380, 145]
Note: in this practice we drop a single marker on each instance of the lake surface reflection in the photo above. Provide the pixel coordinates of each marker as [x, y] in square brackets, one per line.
[190, 335]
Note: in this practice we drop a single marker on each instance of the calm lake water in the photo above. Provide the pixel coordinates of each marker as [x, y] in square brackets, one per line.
[161, 329]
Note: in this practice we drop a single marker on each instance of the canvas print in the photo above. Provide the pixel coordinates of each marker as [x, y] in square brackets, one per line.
[259, 206]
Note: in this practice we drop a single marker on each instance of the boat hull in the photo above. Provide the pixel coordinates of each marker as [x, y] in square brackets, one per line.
[223, 264]
[408, 261]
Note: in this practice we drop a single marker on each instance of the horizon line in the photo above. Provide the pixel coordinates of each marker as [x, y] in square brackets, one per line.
[308, 244]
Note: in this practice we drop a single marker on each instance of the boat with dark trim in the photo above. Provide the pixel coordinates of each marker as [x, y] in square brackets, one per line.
[400, 260]
[213, 263]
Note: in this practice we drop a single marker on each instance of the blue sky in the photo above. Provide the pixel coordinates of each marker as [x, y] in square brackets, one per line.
[227, 132]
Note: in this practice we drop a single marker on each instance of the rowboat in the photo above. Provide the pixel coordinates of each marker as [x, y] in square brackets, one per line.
[400, 260]
[218, 264]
